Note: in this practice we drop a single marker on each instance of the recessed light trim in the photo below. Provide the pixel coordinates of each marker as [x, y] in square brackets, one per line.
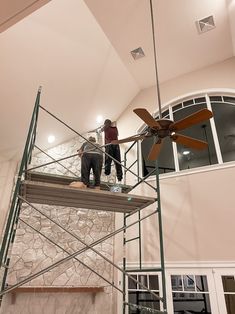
[51, 139]
[99, 119]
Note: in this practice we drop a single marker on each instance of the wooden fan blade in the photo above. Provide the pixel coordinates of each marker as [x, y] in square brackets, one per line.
[192, 119]
[155, 150]
[133, 138]
[189, 141]
[147, 118]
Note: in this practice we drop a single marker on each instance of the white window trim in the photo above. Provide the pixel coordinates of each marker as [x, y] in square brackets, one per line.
[219, 286]
[214, 133]
[192, 271]
[175, 153]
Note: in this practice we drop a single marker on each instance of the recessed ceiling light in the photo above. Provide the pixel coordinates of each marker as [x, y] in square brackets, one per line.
[51, 139]
[186, 152]
[99, 119]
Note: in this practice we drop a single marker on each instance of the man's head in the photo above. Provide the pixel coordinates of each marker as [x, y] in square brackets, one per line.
[91, 139]
[107, 123]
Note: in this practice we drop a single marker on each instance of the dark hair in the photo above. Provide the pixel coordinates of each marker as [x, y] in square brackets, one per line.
[107, 121]
[92, 139]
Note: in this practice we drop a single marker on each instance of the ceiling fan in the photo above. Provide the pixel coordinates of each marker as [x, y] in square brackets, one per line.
[162, 128]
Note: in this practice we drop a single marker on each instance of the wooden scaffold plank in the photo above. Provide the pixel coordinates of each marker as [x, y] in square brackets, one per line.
[66, 180]
[64, 195]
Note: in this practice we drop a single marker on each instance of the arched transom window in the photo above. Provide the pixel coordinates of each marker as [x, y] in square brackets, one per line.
[219, 132]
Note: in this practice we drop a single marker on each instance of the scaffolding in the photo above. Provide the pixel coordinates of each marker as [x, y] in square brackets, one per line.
[34, 188]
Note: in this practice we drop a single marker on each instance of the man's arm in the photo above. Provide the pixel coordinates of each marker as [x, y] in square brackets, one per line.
[101, 129]
[80, 150]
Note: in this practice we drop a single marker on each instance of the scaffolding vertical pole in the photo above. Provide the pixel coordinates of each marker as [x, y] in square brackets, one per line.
[160, 229]
[124, 268]
[125, 167]
[11, 232]
[34, 130]
[4, 278]
[140, 248]
[137, 158]
[10, 227]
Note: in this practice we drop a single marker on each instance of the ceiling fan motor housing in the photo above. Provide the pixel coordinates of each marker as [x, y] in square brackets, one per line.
[165, 128]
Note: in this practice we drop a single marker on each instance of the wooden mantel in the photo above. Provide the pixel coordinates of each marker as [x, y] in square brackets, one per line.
[30, 289]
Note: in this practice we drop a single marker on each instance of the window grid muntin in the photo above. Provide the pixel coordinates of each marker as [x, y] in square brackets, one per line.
[196, 158]
[174, 146]
[186, 285]
[147, 278]
[130, 292]
[223, 277]
[190, 295]
[214, 133]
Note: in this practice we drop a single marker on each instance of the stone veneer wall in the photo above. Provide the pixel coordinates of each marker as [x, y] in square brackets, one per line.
[72, 166]
[31, 252]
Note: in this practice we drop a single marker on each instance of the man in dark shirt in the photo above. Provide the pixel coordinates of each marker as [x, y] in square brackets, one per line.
[111, 134]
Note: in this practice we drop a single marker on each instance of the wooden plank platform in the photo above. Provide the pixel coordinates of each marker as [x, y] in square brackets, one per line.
[66, 180]
[64, 195]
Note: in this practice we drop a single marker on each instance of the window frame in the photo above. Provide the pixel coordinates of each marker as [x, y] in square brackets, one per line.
[158, 274]
[218, 273]
[196, 272]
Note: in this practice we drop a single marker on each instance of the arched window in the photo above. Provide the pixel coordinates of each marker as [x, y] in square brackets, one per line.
[219, 132]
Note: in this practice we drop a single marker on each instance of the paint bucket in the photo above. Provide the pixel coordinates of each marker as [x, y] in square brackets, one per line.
[116, 189]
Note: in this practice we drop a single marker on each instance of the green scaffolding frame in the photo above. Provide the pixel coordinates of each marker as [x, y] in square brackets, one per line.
[13, 219]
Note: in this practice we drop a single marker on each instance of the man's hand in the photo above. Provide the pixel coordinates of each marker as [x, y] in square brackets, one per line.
[80, 152]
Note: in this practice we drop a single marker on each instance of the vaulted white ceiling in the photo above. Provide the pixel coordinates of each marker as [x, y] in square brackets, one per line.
[62, 48]
[79, 51]
[180, 48]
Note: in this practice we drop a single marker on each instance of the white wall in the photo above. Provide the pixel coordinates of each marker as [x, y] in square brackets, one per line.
[198, 219]
[7, 172]
[231, 12]
[198, 223]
